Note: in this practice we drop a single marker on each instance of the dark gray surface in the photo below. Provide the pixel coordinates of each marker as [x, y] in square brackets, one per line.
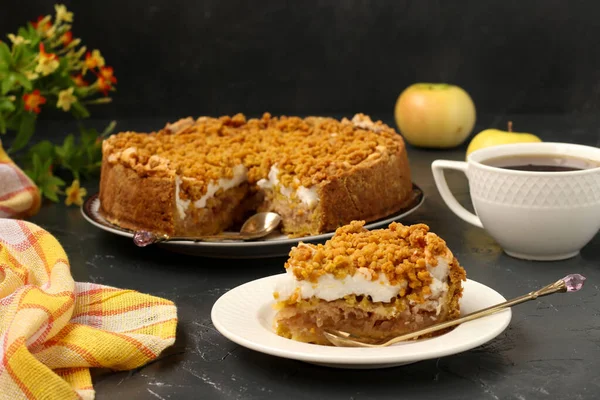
[550, 350]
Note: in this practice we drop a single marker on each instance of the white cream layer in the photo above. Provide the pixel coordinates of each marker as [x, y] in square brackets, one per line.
[240, 175]
[329, 288]
[307, 196]
[439, 275]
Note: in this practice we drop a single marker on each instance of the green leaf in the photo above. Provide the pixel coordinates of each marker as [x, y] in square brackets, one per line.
[92, 143]
[5, 57]
[29, 172]
[47, 166]
[26, 129]
[23, 32]
[79, 110]
[87, 135]
[88, 142]
[34, 171]
[14, 121]
[44, 150]
[50, 192]
[69, 143]
[42, 176]
[6, 105]
[22, 79]
[18, 54]
[24, 60]
[8, 82]
[52, 185]
[55, 180]
[30, 33]
[65, 152]
[109, 129]
[73, 156]
[13, 78]
[2, 124]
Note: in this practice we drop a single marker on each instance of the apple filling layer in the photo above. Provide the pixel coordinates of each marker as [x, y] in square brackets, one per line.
[305, 321]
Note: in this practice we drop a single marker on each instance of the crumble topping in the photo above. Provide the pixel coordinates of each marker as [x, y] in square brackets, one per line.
[404, 254]
[364, 121]
[306, 150]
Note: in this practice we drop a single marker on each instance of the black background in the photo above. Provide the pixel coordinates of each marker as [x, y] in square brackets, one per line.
[213, 57]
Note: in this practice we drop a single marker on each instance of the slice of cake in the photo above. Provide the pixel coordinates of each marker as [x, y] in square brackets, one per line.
[375, 284]
[198, 177]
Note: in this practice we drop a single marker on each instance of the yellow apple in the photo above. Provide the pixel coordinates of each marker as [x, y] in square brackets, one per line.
[436, 115]
[495, 137]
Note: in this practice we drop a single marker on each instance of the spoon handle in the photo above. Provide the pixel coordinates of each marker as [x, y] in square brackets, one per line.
[203, 238]
[558, 286]
[145, 238]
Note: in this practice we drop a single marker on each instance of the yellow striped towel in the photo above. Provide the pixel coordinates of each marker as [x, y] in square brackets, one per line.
[53, 329]
[19, 197]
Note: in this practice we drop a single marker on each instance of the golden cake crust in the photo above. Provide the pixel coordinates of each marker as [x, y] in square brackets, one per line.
[137, 203]
[358, 168]
[370, 191]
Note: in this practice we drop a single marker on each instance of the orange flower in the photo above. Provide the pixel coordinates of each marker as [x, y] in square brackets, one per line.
[79, 81]
[104, 85]
[94, 59]
[45, 26]
[107, 73]
[66, 38]
[75, 194]
[33, 101]
[43, 53]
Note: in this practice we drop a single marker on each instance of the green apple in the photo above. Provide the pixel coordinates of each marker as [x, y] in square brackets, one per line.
[436, 115]
[495, 137]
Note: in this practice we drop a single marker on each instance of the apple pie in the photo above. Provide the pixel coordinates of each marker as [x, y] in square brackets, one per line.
[376, 284]
[202, 176]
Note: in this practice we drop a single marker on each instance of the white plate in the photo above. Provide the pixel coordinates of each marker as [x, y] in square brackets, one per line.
[244, 315]
[273, 245]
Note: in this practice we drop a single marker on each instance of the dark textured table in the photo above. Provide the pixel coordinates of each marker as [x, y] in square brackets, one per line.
[550, 350]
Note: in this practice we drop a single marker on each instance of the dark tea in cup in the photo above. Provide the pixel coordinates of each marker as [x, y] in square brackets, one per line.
[541, 163]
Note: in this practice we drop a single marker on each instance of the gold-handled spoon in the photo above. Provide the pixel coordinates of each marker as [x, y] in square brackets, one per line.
[257, 226]
[570, 283]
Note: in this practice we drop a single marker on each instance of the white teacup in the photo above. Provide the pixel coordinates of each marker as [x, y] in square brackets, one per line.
[532, 215]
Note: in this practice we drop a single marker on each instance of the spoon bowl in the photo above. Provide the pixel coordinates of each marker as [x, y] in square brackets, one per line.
[260, 223]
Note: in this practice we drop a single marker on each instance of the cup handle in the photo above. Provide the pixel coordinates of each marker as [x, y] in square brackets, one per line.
[437, 167]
